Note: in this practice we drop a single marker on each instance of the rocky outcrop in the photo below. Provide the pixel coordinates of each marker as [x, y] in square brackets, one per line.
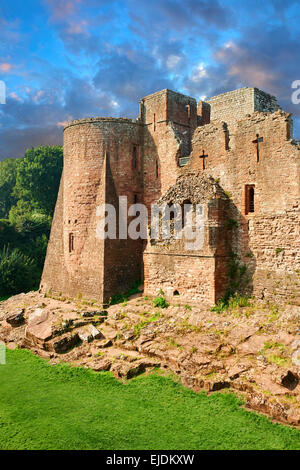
[248, 350]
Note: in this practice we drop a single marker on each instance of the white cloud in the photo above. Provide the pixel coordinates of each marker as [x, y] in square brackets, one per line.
[198, 73]
[173, 61]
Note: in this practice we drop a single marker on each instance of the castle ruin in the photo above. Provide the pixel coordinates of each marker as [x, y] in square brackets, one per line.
[234, 154]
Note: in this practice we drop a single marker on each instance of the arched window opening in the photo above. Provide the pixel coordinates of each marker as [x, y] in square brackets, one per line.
[176, 292]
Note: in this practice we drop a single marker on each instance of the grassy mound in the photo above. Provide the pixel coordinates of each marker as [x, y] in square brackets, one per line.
[59, 407]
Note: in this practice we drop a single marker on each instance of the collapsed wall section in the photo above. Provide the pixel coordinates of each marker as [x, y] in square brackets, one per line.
[191, 268]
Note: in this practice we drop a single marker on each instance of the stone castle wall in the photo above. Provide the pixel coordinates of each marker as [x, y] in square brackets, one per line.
[142, 159]
[98, 168]
[235, 105]
[267, 240]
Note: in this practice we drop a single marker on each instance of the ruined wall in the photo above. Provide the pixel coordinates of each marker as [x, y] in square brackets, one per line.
[141, 159]
[169, 120]
[191, 270]
[267, 240]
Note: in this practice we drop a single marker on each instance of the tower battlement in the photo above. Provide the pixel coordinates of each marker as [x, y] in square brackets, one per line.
[235, 105]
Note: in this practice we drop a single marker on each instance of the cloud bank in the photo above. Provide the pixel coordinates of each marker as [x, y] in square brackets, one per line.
[64, 60]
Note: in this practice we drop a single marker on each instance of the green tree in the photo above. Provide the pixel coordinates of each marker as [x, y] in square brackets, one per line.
[8, 169]
[28, 192]
[17, 272]
[38, 176]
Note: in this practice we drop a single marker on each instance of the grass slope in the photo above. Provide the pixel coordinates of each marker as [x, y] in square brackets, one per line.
[59, 407]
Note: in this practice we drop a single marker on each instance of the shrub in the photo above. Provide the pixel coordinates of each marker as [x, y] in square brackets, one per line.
[188, 307]
[220, 306]
[239, 301]
[17, 272]
[123, 298]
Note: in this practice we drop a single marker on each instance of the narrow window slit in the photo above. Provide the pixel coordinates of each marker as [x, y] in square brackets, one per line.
[71, 242]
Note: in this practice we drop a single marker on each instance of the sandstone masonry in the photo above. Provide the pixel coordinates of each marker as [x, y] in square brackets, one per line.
[234, 154]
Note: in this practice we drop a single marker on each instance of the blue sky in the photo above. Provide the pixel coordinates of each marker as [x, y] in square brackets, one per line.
[68, 59]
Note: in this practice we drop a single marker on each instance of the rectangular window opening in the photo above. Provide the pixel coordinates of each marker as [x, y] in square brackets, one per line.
[71, 242]
[250, 199]
[134, 157]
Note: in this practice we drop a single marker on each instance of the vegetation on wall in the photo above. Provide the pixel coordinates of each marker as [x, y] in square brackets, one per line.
[28, 192]
[148, 412]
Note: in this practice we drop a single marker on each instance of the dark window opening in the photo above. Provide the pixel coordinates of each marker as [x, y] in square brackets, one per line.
[156, 169]
[188, 109]
[250, 199]
[172, 212]
[154, 122]
[226, 140]
[176, 292]
[71, 242]
[185, 211]
[289, 130]
[134, 157]
[135, 199]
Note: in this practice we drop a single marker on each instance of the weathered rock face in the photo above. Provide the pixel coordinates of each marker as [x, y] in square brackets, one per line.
[89, 333]
[39, 328]
[16, 319]
[64, 343]
[288, 379]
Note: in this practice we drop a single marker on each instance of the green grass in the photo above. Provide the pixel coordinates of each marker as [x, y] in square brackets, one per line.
[233, 302]
[59, 407]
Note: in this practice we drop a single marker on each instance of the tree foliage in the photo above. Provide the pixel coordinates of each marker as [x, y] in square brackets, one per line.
[38, 176]
[8, 170]
[17, 272]
[28, 192]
